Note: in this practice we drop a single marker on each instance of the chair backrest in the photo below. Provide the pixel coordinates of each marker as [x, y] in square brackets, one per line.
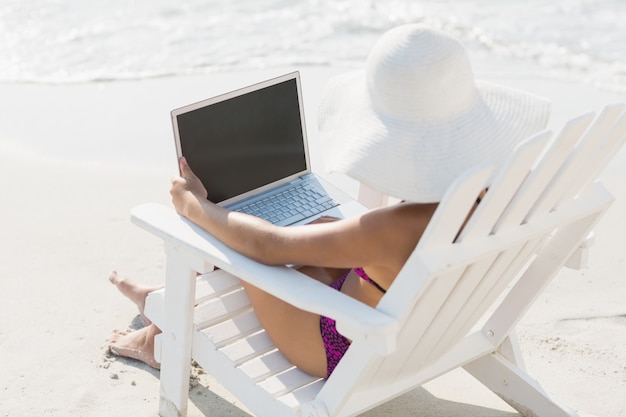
[460, 295]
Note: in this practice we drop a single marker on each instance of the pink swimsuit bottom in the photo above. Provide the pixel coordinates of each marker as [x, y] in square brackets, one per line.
[335, 344]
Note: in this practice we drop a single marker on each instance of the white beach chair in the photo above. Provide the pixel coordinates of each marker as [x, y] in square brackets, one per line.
[455, 303]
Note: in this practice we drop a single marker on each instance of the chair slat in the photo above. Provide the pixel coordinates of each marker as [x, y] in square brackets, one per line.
[600, 148]
[505, 184]
[266, 365]
[288, 381]
[220, 309]
[452, 212]
[542, 174]
[234, 329]
[576, 163]
[215, 283]
[248, 348]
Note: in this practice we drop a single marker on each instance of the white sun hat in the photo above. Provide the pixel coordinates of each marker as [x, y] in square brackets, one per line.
[415, 119]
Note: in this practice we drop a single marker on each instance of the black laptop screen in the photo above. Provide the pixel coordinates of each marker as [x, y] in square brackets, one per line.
[245, 142]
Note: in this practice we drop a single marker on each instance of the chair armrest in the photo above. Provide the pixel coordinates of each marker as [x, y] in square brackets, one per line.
[355, 320]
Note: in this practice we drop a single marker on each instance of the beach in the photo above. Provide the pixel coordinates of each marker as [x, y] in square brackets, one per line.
[75, 158]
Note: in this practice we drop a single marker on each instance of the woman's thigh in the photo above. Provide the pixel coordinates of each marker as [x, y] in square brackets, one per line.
[296, 333]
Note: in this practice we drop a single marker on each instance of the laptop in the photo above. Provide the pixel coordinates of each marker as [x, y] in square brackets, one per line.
[249, 148]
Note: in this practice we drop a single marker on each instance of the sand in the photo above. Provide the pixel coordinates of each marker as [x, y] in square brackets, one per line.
[75, 159]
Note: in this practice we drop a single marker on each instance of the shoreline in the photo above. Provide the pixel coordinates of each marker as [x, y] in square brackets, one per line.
[122, 123]
[65, 225]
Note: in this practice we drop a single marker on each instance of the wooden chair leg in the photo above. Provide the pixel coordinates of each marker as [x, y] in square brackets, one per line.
[176, 340]
[516, 387]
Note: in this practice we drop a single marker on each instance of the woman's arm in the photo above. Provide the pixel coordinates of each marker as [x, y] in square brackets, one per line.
[360, 241]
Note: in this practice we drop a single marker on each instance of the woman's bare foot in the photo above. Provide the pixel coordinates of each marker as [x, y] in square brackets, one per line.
[136, 345]
[134, 292]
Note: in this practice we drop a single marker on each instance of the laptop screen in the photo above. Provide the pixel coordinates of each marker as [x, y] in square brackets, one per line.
[244, 140]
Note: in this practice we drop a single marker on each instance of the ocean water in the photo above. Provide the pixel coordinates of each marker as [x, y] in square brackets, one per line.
[69, 41]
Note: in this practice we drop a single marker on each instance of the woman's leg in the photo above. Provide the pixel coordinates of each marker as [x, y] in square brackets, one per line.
[136, 293]
[296, 333]
[138, 344]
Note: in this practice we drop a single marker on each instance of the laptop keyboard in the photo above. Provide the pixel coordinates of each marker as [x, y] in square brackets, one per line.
[290, 205]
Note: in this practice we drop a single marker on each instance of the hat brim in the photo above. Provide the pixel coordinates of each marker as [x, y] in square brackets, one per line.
[414, 160]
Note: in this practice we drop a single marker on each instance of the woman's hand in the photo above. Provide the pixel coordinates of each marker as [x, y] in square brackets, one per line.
[187, 191]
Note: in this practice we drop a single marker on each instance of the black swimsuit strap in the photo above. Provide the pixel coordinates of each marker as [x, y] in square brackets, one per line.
[378, 287]
[360, 272]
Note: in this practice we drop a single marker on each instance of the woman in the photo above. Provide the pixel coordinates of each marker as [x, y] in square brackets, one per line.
[407, 126]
